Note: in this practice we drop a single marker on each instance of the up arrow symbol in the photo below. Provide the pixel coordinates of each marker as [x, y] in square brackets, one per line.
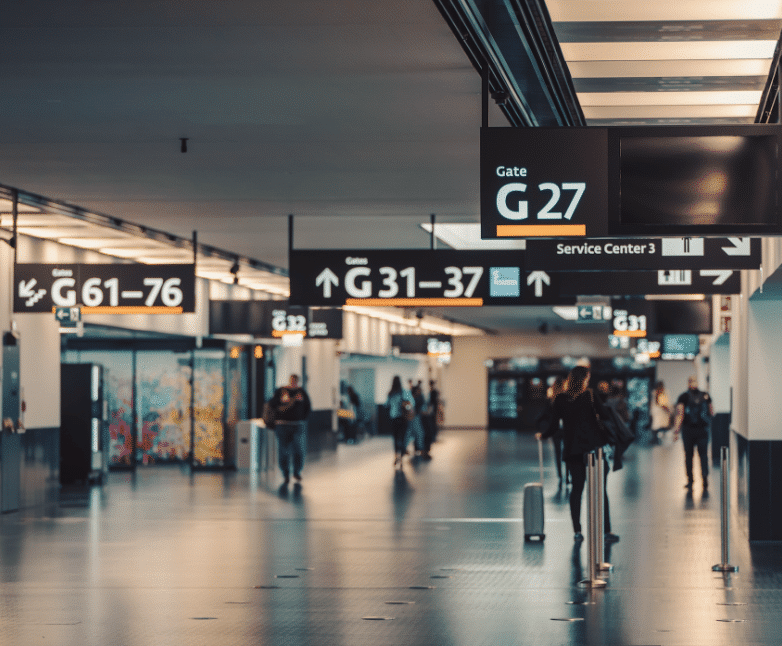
[538, 277]
[740, 247]
[327, 278]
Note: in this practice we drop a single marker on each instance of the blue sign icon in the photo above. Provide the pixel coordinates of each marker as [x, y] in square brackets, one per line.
[505, 281]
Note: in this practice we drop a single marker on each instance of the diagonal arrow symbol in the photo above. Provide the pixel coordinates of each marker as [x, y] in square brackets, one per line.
[327, 278]
[27, 290]
[538, 277]
[741, 247]
[721, 274]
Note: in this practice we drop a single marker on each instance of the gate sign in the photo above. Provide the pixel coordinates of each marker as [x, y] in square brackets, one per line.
[105, 289]
[544, 182]
[407, 278]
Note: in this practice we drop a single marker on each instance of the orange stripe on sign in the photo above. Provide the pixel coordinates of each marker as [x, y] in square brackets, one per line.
[540, 230]
[278, 334]
[637, 333]
[131, 309]
[417, 302]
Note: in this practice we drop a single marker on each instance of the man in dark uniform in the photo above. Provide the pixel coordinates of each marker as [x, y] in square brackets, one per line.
[694, 411]
[292, 407]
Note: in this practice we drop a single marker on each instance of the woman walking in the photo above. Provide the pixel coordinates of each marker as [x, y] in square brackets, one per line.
[400, 409]
[578, 410]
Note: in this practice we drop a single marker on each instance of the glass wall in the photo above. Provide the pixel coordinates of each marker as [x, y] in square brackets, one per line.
[151, 390]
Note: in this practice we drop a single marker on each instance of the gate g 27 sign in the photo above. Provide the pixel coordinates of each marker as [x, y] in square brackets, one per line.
[543, 182]
[105, 289]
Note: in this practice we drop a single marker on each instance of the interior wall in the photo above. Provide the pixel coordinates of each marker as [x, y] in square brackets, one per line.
[719, 370]
[674, 374]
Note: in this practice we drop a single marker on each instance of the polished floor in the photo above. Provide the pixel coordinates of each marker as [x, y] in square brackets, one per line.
[361, 555]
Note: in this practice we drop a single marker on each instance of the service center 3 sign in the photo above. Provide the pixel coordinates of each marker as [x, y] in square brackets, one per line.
[554, 184]
[105, 289]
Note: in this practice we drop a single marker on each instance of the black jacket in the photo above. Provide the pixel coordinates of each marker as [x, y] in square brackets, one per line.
[291, 404]
[580, 429]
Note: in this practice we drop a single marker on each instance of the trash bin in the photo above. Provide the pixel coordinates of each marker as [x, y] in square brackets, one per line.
[248, 444]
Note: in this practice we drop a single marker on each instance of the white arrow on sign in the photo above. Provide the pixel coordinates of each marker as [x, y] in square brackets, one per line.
[327, 278]
[538, 277]
[27, 290]
[740, 248]
[721, 274]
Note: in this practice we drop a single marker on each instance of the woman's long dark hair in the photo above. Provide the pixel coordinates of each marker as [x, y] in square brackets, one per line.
[396, 385]
[576, 381]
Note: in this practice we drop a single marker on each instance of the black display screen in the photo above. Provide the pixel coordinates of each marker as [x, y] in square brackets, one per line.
[696, 181]
[683, 317]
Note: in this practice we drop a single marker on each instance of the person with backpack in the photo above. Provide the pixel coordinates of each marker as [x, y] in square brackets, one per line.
[694, 411]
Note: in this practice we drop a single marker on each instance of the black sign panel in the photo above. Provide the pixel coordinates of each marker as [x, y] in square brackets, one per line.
[273, 319]
[631, 181]
[544, 182]
[435, 344]
[105, 289]
[630, 283]
[643, 253]
[412, 277]
[694, 180]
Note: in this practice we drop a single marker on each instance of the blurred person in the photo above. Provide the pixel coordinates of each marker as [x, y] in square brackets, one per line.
[659, 412]
[292, 407]
[694, 411]
[577, 411]
[557, 388]
[415, 427]
[429, 418]
[400, 410]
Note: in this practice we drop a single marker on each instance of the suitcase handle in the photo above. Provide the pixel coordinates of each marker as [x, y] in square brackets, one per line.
[540, 459]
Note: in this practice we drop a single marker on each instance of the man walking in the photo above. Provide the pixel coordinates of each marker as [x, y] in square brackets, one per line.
[292, 407]
[694, 411]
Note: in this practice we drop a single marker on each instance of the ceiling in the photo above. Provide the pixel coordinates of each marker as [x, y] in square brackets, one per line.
[359, 118]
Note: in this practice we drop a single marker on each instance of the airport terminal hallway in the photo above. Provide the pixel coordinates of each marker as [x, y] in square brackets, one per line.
[361, 555]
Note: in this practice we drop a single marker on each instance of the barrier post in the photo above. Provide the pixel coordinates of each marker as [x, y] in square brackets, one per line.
[725, 514]
[600, 522]
[592, 581]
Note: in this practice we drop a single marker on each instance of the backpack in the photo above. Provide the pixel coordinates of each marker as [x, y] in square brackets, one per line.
[696, 410]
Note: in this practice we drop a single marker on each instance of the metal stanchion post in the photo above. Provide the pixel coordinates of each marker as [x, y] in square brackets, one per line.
[600, 524]
[592, 581]
[725, 515]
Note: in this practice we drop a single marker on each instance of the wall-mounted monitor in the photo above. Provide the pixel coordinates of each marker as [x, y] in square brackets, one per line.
[683, 317]
[694, 180]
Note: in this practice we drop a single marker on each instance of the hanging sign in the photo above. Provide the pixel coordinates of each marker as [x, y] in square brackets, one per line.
[544, 182]
[643, 253]
[105, 289]
[407, 278]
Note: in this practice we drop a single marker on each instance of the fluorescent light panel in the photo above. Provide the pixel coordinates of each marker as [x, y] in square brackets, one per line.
[468, 236]
[641, 10]
[655, 50]
[589, 99]
[669, 111]
[669, 68]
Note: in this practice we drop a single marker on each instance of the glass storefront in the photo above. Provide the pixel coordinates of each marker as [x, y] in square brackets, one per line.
[168, 401]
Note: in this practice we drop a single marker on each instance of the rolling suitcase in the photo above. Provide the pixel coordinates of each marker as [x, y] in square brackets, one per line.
[533, 504]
